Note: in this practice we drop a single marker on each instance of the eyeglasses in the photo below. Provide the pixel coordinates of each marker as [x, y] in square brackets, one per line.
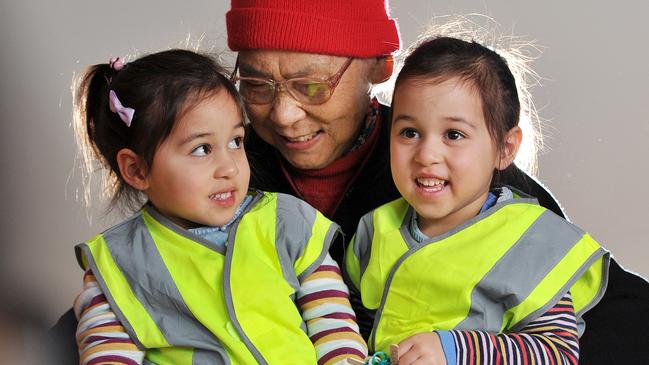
[306, 90]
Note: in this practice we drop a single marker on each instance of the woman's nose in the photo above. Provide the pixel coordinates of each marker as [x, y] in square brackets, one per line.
[286, 110]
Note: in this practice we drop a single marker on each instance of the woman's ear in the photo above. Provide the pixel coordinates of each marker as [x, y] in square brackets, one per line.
[511, 143]
[383, 69]
[132, 168]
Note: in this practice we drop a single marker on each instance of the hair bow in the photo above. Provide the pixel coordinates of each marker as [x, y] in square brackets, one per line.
[125, 114]
[116, 63]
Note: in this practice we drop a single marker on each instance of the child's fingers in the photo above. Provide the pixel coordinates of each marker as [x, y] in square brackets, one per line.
[407, 352]
[406, 345]
[410, 357]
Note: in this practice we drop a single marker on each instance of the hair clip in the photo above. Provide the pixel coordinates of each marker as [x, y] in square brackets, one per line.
[116, 63]
[125, 114]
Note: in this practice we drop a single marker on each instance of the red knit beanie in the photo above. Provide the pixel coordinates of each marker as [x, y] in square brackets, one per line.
[358, 28]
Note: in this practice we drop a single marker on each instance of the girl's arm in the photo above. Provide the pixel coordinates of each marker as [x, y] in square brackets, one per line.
[323, 299]
[550, 339]
[100, 337]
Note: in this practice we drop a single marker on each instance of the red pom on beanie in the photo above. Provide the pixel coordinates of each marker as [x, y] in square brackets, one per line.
[352, 28]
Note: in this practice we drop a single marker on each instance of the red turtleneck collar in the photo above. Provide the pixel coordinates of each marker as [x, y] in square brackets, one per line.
[325, 188]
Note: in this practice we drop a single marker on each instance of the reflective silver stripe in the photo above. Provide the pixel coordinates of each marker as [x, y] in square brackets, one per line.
[293, 228]
[202, 357]
[330, 236]
[363, 241]
[580, 323]
[132, 249]
[548, 235]
[104, 289]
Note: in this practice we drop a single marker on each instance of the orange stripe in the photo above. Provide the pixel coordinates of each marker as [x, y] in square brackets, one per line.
[322, 275]
[94, 330]
[107, 347]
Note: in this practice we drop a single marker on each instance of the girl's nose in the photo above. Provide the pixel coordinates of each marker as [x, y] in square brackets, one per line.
[429, 153]
[285, 110]
[226, 167]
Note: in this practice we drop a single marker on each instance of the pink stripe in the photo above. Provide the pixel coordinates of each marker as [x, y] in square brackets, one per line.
[469, 343]
[523, 348]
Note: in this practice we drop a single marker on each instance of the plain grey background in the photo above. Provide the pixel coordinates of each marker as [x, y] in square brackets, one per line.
[594, 98]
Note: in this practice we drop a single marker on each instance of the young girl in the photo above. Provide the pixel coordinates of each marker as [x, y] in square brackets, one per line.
[205, 272]
[461, 270]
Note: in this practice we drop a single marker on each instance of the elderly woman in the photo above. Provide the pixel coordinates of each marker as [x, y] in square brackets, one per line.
[305, 69]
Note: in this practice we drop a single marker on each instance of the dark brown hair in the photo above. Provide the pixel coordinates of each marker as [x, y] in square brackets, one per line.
[439, 59]
[160, 87]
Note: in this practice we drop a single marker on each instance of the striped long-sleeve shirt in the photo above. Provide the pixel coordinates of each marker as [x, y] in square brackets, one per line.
[322, 298]
[550, 339]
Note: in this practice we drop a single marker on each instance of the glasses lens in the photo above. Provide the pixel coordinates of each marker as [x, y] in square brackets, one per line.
[256, 91]
[309, 91]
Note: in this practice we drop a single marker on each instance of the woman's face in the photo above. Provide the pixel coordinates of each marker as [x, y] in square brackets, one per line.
[308, 136]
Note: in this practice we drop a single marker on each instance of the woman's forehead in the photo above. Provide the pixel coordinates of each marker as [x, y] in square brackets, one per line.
[286, 63]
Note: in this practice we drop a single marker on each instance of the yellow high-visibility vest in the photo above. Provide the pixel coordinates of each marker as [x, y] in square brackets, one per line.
[497, 272]
[188, 301]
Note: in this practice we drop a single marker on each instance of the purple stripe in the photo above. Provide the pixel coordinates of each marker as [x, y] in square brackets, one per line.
[339, 315]
[97, 299]
[320, 295]
[321, 334]
[325, 268]
[337, 352]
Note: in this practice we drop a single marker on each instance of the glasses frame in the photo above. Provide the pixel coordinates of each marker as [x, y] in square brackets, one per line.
[331, 82]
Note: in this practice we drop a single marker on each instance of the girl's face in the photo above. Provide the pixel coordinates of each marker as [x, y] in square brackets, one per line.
[200, 173]
[442, 155]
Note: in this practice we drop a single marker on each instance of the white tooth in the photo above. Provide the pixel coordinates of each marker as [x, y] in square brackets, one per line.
[430, 182]
[221, 196]
[302, 138]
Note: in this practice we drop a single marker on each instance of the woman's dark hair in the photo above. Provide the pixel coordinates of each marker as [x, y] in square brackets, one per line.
[439, 59]
[160, 87]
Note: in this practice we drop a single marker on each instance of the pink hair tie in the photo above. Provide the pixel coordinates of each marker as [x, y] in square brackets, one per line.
[116, 63]
[125, 114]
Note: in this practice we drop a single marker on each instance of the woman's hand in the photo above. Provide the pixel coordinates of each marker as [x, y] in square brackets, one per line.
[422, 349]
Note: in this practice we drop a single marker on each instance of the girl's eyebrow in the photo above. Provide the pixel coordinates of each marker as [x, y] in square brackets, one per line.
[198, 135]
[194, 136]
[404, 117]
[461, 120]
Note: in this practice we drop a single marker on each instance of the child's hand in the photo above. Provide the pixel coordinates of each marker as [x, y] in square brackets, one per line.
[422, 349]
